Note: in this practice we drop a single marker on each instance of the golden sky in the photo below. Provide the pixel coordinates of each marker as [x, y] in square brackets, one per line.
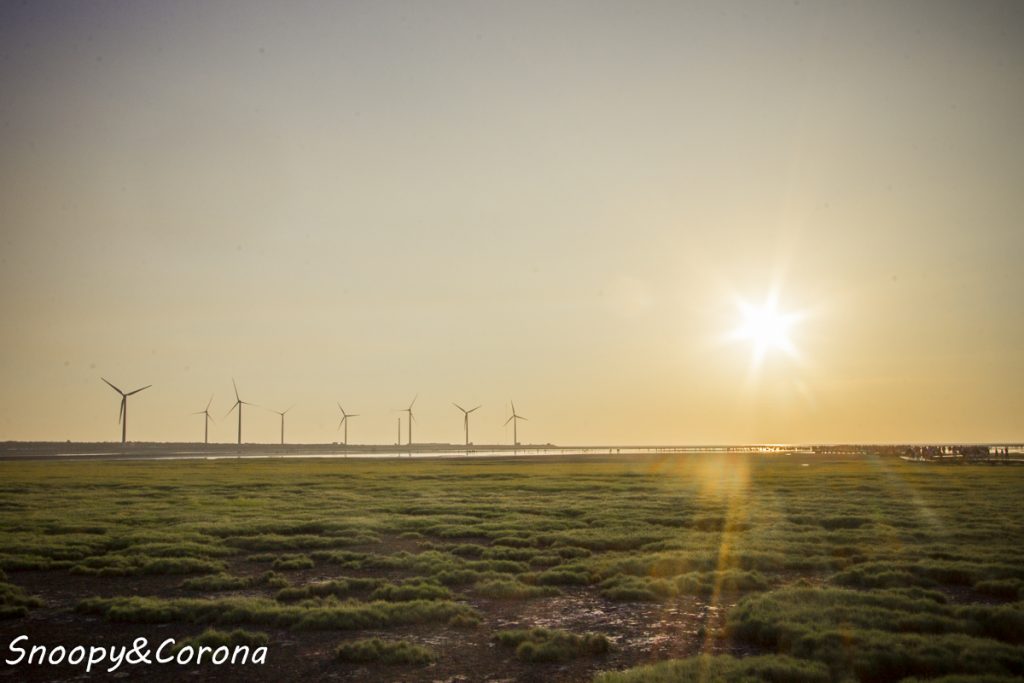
[562, 204]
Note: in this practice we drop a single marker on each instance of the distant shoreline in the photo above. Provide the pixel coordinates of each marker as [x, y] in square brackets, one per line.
[69, 451]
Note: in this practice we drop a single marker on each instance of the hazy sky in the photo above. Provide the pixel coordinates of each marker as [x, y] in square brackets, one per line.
[555, 203]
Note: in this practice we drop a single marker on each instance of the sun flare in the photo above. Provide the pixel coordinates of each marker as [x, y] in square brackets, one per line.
[767, 328]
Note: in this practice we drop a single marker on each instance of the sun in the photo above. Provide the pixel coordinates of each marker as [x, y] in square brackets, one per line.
[767, 328]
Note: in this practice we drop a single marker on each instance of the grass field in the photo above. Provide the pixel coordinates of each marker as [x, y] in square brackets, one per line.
[660, 568]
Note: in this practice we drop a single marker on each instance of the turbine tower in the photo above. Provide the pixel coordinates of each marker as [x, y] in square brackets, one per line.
[465, 418]
[411, 418]
[206, 420]
[515, 421]
[122, 415]
[238, 404]
[282, 414]
[344, 421]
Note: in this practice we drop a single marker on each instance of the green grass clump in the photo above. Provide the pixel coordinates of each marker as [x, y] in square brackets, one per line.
[882, 635]
[15, 602]
[338, 588]
[130, 565]
[227, 582]
[375, 650]
[499, 566]
[926, 573]
[627, 588]
[551, 645]
[724, 669]
[179, 549]
[563, 577]
[345, 558]
[467, 550]
[413, 590]
[465, 621]
[512, 589]
[295, 542]
[292, 562]
[728, 581]
[343, 616]
[213, 638]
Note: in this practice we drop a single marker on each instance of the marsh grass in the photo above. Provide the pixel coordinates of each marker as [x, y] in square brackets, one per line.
[882, 635]
[512, 589]
[14, 601]
[724, 669]
[551, 645]
[338, 588]
[340, 616]
[132, 565]
[627, 587]
[411, 590]
[213, 638]
[375, 650]
[864, 566]
[226, 582]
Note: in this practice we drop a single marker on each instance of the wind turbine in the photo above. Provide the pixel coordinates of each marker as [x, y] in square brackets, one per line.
[238, 404]
[515, 421]
[344, 421]
[282, 414]
[122, 415]
[206, 420]
[465, 418]
[411, 418]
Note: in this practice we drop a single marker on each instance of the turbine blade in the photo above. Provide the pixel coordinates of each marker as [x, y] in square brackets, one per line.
[510, 419]
[232, 408]
[210, 402]
[237, 397]
[513, 407]
[413, 401]
[521, 417]
[458, 406]
[477, 408]
[112, 386]
[210, 418]
[138, 390]
[120, 413]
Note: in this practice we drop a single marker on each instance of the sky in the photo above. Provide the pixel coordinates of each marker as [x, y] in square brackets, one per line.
[567, 205]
